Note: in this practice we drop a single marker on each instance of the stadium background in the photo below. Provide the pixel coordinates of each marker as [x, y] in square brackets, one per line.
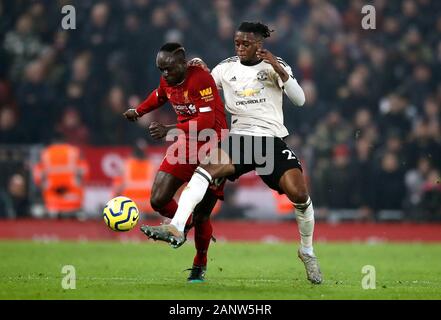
[369, 134]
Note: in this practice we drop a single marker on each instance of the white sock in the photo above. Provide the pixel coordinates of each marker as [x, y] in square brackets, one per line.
[193, 194]
[305, 223]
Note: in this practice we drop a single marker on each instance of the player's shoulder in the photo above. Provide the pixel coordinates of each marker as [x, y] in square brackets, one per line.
[197, 75]
[225, 65]
[197, 71]
[229, 60]
[282, 62]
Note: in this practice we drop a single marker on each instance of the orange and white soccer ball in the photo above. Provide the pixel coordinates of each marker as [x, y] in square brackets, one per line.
[121, 214]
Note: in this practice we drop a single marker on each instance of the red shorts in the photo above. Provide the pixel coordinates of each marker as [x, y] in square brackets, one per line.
[184, 170]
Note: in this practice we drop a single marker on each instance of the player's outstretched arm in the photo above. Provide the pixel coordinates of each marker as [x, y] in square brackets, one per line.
[155, 99]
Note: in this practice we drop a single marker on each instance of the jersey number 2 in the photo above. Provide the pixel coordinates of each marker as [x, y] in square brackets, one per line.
[291, 154]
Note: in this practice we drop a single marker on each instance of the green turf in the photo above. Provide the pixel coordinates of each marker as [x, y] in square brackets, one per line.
[151, 270]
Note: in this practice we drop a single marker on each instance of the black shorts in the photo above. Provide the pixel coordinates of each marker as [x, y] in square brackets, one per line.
[269, 156]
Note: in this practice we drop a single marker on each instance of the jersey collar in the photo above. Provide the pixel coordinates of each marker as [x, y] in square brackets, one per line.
[250, 64]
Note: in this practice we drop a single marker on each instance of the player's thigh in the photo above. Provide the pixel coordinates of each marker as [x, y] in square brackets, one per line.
[227, 161]
[292, 183]
[286, 176]
[164, 188]
[218, 164]
[204, 208]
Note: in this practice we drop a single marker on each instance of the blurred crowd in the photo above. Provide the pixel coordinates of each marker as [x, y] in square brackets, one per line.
[369, 133]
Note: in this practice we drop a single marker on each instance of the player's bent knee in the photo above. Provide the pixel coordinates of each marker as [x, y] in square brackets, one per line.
[158, 201]
[298, 196]
[210, 169]
[302, 197]
[218, 170]
[293, 185]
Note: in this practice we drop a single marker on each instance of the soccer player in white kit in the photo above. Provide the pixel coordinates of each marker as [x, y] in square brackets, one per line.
[253, 83]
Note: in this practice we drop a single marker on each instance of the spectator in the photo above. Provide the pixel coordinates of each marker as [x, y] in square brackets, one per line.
[22, 45]
[415, 179]
[114, 131]
[393, 144]
[100, 35]
[17, 190]
[10, 131]
[413, 49]
[355, 93]
[362, 122]
[82, 90]
[431, 197]
[135, 47]
[363, 187]
[334, 130]
[422, 144]
[35, 100]
[432, 113]
[307, 117]
[420, 85]
[338, 180]
[14, 201]
[72, 129]
[389, 193]
[395, 116]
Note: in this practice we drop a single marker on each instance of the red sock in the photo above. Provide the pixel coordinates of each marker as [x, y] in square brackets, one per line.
[169, 211]
[202, 237]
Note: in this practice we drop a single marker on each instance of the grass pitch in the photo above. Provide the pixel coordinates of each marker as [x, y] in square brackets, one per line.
[148, 270]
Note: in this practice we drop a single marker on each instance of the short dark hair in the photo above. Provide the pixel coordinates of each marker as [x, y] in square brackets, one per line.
[256, 28]
[173, 47]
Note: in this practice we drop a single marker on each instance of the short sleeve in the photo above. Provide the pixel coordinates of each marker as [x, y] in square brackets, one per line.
[203, 90]
[216, 73]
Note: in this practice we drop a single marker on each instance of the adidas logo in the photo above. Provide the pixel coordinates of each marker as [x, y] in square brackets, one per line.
[233, 78]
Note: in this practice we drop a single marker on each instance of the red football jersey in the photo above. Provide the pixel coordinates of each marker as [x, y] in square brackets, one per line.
[195, 99]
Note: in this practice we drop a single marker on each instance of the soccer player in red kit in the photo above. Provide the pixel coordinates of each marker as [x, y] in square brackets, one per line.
[193, 94]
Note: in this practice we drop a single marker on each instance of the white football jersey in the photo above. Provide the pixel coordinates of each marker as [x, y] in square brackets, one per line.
[253, 95]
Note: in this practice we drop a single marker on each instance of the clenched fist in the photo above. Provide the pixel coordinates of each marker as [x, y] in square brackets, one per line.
[157, 130]
[131, 115]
